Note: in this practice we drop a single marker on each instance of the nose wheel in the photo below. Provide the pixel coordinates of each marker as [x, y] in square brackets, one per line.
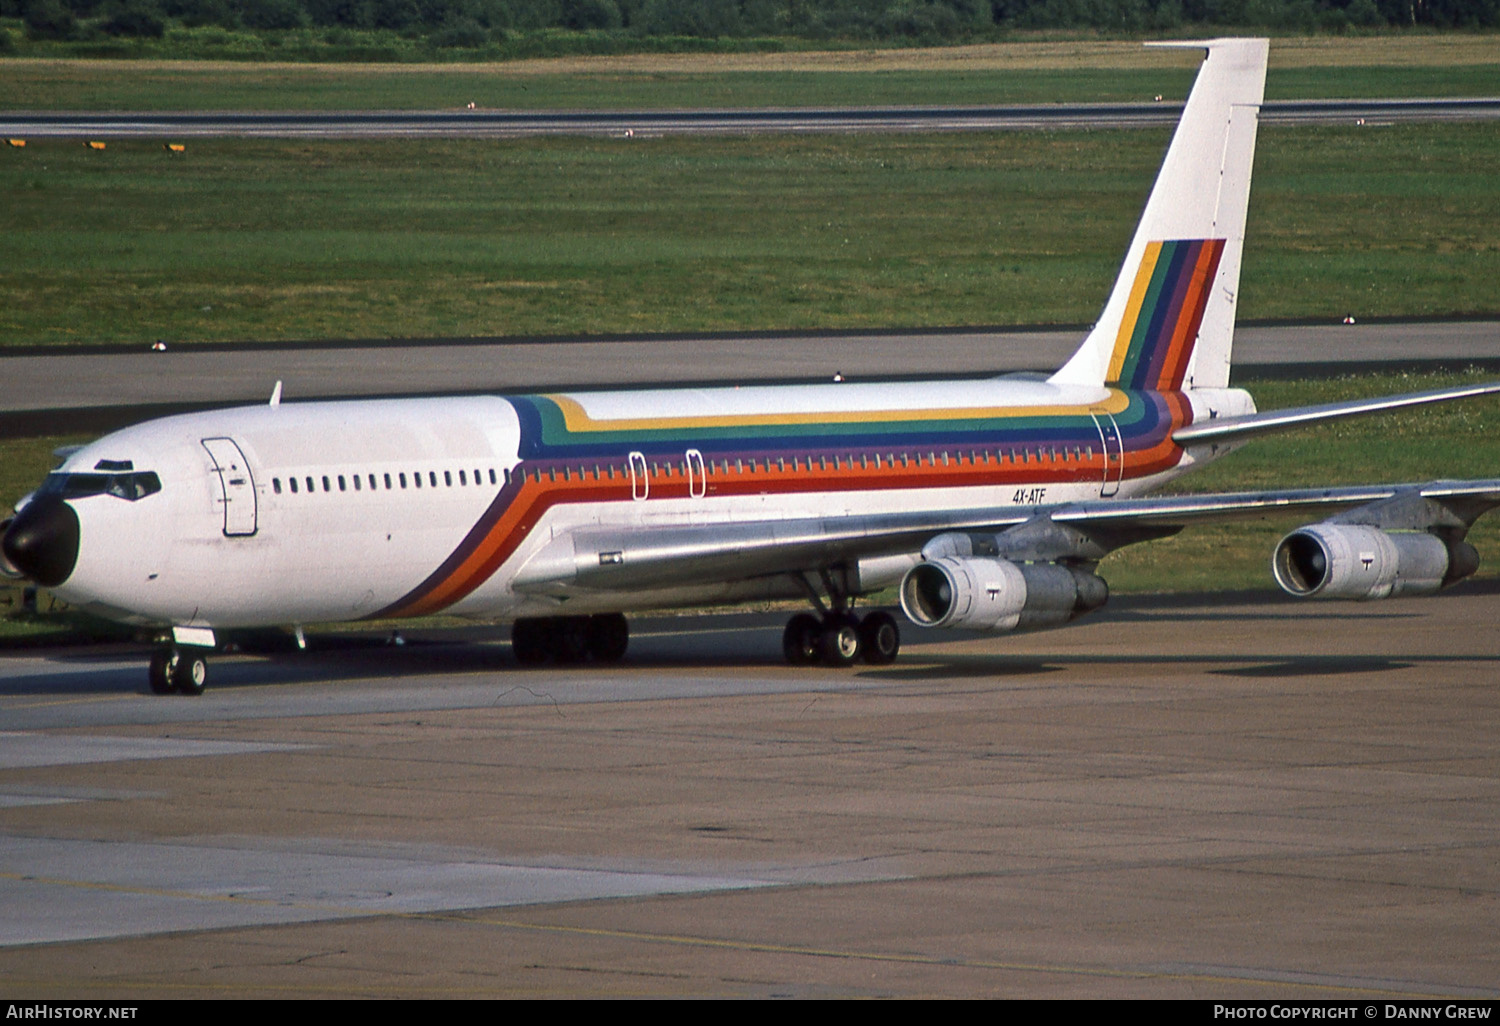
[172, 669]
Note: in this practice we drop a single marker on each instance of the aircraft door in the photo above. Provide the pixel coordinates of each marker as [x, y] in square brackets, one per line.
[236, 486]
[697, 476]
[1114, 452]
[640, 483]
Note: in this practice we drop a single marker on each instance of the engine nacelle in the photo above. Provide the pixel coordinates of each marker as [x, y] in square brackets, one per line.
[8, 569]
[997, 594]
[1349, 561]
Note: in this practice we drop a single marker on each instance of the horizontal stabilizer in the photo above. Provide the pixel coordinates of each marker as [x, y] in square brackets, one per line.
[1237, 429]
[1182, 510]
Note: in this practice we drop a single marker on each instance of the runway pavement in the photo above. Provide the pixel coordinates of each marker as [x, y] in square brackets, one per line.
[710, 121]
[53, 392]
[1230, 797]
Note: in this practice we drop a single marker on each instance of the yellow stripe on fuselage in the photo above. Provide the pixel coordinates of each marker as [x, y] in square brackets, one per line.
[578, 420]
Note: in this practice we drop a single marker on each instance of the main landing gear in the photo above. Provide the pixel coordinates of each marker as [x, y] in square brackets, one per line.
[841, 639]
[837, 637]
[173, 669]
[602, 637]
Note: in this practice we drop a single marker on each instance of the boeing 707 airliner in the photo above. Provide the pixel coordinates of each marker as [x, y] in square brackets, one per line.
[990, 503]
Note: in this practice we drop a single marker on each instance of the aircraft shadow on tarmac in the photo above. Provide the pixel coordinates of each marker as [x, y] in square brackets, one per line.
[748, 642]
[84, 673]
[1229, 615]
[1322, 666]
[950, 667]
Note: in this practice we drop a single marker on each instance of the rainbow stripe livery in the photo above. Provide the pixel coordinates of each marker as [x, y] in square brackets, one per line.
[569, 458]
[1167, 300]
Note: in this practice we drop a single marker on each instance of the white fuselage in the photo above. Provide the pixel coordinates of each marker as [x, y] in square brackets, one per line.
[346, 510]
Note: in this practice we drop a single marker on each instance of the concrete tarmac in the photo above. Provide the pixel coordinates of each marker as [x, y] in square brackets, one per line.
[502, 124]
[187, 376]
[1223, 797]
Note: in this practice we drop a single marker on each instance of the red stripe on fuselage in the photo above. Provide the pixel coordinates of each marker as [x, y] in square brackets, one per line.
[549, 483]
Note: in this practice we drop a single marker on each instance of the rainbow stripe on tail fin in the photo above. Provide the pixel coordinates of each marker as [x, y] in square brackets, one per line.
[1161, 322]
[1169, 322]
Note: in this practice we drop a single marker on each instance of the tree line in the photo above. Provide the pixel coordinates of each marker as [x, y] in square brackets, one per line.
[479, 23]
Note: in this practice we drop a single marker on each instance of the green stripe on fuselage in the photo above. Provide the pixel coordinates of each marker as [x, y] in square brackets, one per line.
[555, 433]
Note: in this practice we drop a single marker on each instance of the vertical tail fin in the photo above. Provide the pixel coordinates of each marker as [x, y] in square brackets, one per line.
[1169, 323]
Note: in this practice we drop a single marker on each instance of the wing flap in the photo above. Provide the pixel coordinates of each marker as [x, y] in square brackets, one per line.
[693, 554]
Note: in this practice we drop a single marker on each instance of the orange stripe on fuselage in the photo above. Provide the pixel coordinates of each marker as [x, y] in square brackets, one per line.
[965, 467]
[514, 526]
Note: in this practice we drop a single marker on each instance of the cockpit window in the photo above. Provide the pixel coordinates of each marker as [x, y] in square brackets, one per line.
[122, 486]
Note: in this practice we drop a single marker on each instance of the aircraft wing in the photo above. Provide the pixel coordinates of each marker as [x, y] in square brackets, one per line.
[679, 555]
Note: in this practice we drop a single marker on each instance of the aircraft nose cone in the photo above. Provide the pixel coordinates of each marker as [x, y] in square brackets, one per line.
[42, 541]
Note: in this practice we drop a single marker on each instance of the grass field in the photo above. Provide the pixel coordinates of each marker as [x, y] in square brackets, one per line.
[38, 86]
[244, 239]
[1026, 72]
[237, 240]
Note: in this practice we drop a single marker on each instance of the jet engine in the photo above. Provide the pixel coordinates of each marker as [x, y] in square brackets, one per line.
[1351, 561]
[998, 594]
[8, 569]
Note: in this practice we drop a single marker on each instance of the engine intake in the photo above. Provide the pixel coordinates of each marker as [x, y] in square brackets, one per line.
[8, 570]
[1340, 561]
[997, 594]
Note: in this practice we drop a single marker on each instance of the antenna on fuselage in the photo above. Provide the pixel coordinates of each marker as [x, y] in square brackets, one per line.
[276, 394]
